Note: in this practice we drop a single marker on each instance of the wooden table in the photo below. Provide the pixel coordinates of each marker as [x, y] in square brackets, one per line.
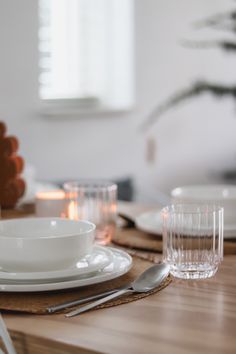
[186, 317]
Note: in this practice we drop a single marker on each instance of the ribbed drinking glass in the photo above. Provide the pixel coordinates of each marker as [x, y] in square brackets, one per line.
[193, 239]
[96, 201]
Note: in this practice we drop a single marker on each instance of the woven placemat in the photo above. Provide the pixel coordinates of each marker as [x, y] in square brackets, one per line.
[38, 302]
[136, 239]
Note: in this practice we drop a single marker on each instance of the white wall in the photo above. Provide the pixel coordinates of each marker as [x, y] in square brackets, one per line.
[193, 141]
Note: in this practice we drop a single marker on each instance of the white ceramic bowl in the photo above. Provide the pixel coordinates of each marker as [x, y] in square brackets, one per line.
[42, 244]
[222, 195]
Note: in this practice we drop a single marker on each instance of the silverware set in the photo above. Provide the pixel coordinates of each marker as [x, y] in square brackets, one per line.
[148, 280]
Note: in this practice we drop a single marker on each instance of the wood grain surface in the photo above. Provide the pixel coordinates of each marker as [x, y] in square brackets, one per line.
[187, 317]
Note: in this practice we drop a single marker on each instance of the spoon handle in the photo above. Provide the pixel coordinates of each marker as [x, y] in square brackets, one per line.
[68, 304]
[98, 302]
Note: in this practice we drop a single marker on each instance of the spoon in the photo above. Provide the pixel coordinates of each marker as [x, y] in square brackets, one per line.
[148, 280]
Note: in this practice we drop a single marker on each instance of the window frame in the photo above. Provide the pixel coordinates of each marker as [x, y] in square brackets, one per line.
[89, 106]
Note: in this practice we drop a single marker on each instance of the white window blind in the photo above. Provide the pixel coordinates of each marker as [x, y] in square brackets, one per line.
[86, 52]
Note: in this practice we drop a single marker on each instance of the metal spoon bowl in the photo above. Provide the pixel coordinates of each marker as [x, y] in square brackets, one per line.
[151, 278]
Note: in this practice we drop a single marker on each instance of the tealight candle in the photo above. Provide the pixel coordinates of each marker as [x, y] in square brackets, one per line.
[50, 203]
[93, 200]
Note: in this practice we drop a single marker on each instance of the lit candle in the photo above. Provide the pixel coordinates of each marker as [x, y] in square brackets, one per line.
[72, 210]
[51, 203]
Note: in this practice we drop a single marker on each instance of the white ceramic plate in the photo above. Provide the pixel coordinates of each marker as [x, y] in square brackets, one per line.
[120, 265]
[151, 222]
[97, 260]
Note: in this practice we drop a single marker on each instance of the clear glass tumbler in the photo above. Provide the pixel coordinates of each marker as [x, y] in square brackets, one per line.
[193, 239]
[95, 201]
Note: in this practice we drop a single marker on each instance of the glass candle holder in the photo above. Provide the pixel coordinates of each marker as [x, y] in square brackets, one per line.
[50, 203]
[95, 201]
[193, 239]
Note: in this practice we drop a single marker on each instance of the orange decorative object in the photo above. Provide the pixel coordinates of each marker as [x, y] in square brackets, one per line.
[12, 186]
[8, 145]
[2, 129]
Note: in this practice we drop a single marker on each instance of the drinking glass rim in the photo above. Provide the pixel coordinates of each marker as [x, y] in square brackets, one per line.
[91, 184]
[194, 208]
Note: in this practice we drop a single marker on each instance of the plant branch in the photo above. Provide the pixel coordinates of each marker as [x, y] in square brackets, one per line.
[219, 20]
[224, 45]
[196, 89]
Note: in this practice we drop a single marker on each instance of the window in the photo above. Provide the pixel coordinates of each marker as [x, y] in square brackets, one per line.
[86, 54]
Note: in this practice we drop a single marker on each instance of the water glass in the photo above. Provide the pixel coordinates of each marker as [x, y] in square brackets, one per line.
[95, 201]
[193, 239]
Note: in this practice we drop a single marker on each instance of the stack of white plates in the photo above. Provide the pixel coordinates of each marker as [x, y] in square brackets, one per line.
[41, 254]
[104, 263]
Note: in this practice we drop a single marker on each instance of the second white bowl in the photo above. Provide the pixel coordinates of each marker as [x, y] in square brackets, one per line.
[221, 195]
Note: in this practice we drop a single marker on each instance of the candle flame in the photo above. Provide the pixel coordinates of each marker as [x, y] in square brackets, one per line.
[72, 211]
[51, 195]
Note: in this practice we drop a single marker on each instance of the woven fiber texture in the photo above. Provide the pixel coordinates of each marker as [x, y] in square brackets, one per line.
[37, 303]
[133, 238]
